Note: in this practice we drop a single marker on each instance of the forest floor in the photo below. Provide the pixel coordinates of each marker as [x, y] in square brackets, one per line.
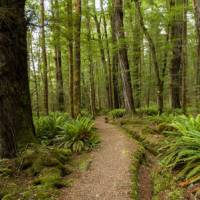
[109, 175]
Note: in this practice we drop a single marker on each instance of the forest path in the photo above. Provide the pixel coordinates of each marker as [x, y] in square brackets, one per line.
[109, 176]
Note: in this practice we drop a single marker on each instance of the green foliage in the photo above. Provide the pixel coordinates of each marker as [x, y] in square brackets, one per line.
[78, 135]
[151, 111]
[164, 184]
[47, 127]
[182, 150]
[163, 118]
[117, 113]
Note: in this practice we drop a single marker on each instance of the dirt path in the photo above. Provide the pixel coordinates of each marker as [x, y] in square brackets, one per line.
[109, 176]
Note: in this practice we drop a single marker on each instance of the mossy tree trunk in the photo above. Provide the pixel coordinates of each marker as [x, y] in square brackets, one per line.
[16, 125]
[196, 5]
[123, 57]
[77, 59]
[177, 48]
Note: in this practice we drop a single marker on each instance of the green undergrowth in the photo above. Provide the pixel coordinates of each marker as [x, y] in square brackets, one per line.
[165, 186]
[42, 169]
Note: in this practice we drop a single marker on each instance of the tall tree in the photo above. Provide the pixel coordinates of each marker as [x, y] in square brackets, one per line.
[91, 63]
[58, 55]
[137, 56]
[115, 61]
[70, 54]
[196, 5]
[123, 57]
[177, 47]
[44, 59]
[16, 125]
[184, 58]
[77, 58]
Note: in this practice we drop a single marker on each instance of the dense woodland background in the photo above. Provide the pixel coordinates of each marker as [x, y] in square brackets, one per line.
[64, 62]
[148, 49]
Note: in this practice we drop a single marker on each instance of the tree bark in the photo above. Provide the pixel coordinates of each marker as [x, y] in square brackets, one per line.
[176, 60]
[58, 57]
[16, 125]
[196, 5]
[123, 57]
[91, 63]
[77, 59]
[70, 54]
[115, 64]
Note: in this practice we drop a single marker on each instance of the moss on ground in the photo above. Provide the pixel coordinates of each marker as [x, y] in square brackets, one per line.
[36, 174]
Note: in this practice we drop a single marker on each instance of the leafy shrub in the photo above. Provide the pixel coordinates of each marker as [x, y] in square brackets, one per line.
[151, 111]
[182, 150]
[163, 118]
[117, 113]
[78, 135]
[47, 127]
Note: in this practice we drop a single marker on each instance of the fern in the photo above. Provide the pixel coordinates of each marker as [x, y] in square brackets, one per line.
[182, 150]
[117, 113]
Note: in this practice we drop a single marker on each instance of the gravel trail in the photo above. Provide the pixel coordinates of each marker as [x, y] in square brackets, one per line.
[108, 177]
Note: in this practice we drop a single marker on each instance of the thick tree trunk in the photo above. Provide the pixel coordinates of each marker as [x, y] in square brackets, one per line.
[77, 59]
[123, 57]
[44, 60]
[196, 5]
[176, 60]
[16, 125]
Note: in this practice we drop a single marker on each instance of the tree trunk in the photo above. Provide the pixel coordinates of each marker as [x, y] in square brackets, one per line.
[44, 60]
[70, 54]
[58, 57]
[91, 63]
[196, 5]
[77, 59]
[184, 59]
[137, 38]
[16, 125]
[115, 64]
[176, 60]
[123, 57]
